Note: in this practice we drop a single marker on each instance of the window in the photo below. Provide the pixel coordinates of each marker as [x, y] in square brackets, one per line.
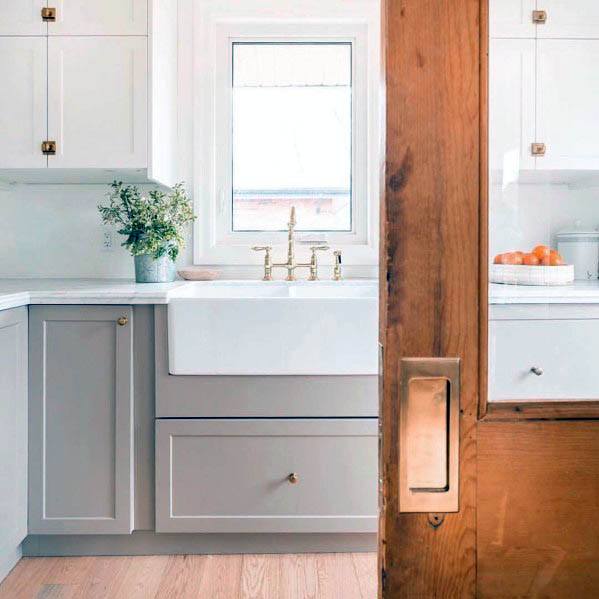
[292, 135]
[286, 113]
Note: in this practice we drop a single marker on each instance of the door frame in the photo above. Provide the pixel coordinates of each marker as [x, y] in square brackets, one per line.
[430, 268]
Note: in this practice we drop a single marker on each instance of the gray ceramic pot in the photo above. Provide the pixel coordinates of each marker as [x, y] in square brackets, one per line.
[151, 270]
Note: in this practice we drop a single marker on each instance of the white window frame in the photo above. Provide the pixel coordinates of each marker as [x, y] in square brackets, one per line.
[214, 33]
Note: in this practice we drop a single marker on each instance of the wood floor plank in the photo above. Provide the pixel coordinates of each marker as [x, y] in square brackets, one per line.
[103, 578]
[26, 578]
[337, 577]
[365, 566]
[298, 577]
[306, 576]
[222, 577]
[260, 577]
[182, 577]
[143, 577]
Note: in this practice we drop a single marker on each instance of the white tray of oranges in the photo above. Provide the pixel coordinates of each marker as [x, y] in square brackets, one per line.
[542, 266]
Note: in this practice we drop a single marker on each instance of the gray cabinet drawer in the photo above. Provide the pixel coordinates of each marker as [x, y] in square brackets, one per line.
[232, 475]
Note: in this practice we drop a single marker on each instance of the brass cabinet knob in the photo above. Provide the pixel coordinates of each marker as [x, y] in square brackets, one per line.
[293, 478]
[123, 320]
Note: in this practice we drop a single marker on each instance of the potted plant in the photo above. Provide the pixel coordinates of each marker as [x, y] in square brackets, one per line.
[153, 225]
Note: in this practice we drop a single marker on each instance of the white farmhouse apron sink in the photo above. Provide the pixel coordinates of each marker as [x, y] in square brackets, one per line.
[274, 328]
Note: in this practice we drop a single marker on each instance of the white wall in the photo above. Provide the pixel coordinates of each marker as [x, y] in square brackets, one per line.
[524, 215]
[55, 231]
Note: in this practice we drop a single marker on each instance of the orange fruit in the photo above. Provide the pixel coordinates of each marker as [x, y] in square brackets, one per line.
[498, 259]
[546, 261]
[542, 251]
[556, 260]
[530, 260]
[512, 258]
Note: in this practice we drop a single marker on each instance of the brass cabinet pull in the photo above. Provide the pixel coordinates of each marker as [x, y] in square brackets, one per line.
[48, 14]
[539, 17]
[122, 321]
[537, 149]
[293, 478]
[49, 147]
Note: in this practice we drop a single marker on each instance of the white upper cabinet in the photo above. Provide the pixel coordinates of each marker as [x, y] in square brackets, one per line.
[568, 103]
[511, 18]
[22, 17]
[97, 86]
[95, 17]
[22, 101]
[511, 105]
[97, 101]
[569, 18]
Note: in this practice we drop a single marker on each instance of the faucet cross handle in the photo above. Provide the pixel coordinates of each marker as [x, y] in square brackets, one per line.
[267, 260]
[314, 262]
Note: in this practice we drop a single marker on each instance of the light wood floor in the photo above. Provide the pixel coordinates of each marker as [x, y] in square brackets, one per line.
[314, 576]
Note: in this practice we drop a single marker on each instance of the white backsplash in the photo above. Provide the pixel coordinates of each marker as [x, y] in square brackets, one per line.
[55, 231]
[524, 215]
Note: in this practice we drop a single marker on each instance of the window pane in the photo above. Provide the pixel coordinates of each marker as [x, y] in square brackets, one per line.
[292, 136]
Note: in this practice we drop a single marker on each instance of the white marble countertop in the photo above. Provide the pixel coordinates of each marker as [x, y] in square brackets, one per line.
[22, 292]
[579, 292]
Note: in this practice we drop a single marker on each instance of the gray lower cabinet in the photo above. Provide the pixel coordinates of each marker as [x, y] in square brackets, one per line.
[80, 419]
[267, 475]
[13, 434]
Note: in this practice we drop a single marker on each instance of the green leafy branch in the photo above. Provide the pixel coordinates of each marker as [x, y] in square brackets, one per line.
[152, 223]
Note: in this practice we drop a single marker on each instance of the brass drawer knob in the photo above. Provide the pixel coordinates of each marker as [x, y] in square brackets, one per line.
[539, 17]
[537, 149]
[123, 320]
[293, 478]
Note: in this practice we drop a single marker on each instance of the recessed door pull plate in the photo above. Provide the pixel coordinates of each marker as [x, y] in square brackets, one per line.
[429, 439]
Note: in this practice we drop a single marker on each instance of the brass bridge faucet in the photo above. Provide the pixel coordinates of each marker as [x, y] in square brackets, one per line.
[291, 265]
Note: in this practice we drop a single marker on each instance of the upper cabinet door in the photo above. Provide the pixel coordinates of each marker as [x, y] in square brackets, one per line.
[97, 102]
[567, 103]
[22, 102]
[512, 18]
[566, 18]
[22, 17]
[511, 106]
[105, 17]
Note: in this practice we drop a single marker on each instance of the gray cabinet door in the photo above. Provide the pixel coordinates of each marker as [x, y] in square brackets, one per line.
[80, 420]
[13, 430]
[253, 476]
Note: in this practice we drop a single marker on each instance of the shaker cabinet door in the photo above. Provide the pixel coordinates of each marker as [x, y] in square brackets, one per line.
[108, 17]
[567, 100]
[511, 107]
[97, 101]
[80, 420]
[567, 19]
[511, 18]
[22, 102]
[22, 17]
[13, 429]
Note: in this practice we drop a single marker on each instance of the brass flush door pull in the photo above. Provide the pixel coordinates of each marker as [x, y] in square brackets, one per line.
[48, 14]
[539, 17]
[293, 478]
[122, 321]
[537, 149]
[49, 148]
[429, 438]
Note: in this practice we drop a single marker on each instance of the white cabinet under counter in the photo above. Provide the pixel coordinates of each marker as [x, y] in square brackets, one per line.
[543, 342]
